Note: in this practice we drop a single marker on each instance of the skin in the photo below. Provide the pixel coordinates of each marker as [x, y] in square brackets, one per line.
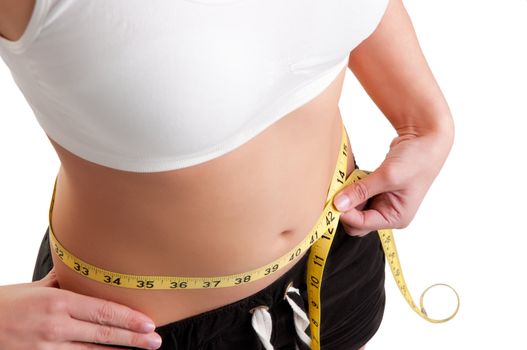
[393, 70]
[112, 209]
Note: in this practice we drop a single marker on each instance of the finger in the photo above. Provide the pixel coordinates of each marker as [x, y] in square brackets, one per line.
[83, 346]
[105, 312]
[50, 280]
[94, 333]
[359, 192]
[361, 222]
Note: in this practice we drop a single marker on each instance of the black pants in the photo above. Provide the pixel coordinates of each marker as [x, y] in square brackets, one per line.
[352, 299]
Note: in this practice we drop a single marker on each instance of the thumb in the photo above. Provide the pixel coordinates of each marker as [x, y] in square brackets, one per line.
[50, 280]
[359, 192]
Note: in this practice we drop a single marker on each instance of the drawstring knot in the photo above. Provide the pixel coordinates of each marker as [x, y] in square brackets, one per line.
[263, 324]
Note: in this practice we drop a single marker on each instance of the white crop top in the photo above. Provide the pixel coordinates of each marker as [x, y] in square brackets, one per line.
[157, 85]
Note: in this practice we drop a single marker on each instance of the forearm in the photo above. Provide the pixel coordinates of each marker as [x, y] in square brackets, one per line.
[393, 70]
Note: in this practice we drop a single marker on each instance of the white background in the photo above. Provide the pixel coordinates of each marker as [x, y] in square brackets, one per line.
[470, 229]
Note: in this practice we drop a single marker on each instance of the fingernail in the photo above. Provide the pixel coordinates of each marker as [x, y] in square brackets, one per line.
[342, 202]
[148, 327]
[155, 341]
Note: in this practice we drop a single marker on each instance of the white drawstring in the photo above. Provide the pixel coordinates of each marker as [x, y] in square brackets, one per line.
[300, 317]
[263, 324]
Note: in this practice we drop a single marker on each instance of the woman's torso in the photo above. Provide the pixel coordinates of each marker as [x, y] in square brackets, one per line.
[227, 215]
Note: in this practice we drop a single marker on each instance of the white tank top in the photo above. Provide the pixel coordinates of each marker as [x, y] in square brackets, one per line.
[157, 85]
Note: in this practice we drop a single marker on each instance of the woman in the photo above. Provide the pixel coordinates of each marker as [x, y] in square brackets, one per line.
[199, 138]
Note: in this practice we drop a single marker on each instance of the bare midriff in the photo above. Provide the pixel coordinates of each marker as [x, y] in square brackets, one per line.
[228, 215]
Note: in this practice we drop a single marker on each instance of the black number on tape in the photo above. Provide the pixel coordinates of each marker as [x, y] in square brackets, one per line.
[181, 285]
[244, 279]
[209, 284]
[82, 269]
[59, 252]
[318, 260]
[108, 279]
[271, 269]
[314, 237]
[315, 282]
[145, 284]
[329, 218]
[342, 175]
[295, 254]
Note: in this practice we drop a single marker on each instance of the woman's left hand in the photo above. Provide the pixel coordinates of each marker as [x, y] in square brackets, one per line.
[390, 196]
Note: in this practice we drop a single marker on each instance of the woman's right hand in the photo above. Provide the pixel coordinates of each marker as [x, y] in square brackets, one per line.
[41, 316]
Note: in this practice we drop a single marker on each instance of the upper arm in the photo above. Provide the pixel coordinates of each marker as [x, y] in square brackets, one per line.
[391, 67]
[14, 17]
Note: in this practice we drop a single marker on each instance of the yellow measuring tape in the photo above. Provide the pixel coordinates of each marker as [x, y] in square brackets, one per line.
[319, 239]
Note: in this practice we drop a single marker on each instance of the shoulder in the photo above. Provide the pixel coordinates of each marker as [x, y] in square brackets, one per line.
[14, 17]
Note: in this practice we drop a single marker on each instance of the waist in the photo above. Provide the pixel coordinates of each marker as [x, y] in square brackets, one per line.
[193, 225]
